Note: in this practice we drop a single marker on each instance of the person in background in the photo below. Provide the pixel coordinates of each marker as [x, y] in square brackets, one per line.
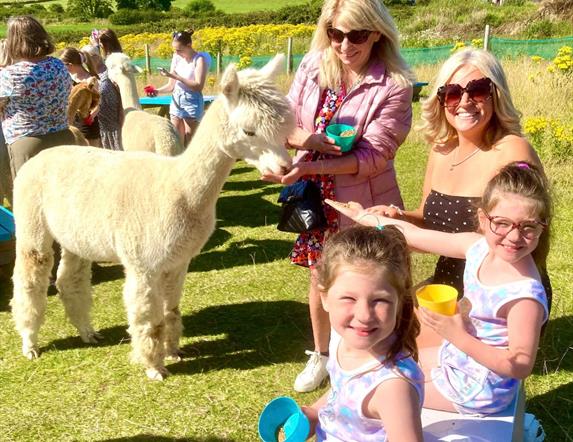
[473, 128]
[5, 176]
[111, 110]
[353, 74]
[82, 69]
[34, 93]
[106, 40]
[366, 288]
[187, 77]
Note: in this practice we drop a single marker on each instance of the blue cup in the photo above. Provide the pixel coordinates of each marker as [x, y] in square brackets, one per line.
[338, 133]
[283, 412]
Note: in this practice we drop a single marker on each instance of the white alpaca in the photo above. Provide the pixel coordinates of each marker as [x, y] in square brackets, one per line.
[152, 213]
[140, 130]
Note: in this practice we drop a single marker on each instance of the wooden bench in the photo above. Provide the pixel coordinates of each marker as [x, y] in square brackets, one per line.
[7, 241]
[506, 426]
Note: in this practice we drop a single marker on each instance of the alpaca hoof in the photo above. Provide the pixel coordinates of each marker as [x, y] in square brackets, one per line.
[175, 356]
[157, 374]
[31, 353]
[91, 337]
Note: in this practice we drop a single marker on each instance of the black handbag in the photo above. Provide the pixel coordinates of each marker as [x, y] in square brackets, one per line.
[301, 207]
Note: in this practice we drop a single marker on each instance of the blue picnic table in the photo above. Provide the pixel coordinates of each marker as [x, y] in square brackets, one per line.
[7, 235]
[163, 102]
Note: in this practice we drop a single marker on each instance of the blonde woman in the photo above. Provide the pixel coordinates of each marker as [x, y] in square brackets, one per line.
[353, 74]
[473, 127]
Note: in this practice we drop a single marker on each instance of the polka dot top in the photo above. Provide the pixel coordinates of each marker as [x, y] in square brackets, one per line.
[452, 214]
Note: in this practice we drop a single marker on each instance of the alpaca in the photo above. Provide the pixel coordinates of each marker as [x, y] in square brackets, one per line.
[149, 212]
[84, 99]
[141, 130]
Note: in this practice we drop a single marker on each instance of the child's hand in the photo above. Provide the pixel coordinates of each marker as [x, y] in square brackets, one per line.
[351, 209]
[448, 327]
[312, 415]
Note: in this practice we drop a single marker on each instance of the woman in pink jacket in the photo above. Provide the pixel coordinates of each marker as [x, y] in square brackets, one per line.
[354, 74]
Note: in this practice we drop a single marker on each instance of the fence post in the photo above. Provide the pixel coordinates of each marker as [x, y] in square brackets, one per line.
[486, 38]
[147, 59]
[289, 56]
[219, 62]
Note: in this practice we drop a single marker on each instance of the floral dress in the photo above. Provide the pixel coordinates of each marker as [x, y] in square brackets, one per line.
[308, 246]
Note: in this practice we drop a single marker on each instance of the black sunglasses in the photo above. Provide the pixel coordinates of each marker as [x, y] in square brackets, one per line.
[478, 91]
[354, 37]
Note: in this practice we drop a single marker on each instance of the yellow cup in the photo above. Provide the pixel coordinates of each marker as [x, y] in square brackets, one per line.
[439, 298]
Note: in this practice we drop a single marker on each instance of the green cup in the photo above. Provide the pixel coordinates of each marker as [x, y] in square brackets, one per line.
[343, 135]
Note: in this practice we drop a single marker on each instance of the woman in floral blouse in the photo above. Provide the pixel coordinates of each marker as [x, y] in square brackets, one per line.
[34, 93]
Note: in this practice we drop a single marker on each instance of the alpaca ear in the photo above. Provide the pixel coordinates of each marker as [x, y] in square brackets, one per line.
[136, 69]
[274, 66]
[230, 83]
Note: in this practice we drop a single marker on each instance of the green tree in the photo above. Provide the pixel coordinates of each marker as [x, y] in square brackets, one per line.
[157, 5]
[126, 4]
[88, 9]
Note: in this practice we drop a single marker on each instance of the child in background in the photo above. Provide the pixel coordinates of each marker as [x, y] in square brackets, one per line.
[82, 68]
[376, 386]
[491, 342]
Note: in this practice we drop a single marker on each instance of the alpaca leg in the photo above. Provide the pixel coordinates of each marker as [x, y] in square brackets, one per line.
[31, 279]
[146, 323]
[73, 284]
[172, 286]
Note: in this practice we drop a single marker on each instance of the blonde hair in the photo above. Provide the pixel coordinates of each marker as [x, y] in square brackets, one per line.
[505, 119]
[370, 248]
[369, 15]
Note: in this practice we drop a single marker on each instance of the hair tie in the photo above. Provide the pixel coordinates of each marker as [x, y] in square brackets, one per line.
[523, 165]
[379, 227]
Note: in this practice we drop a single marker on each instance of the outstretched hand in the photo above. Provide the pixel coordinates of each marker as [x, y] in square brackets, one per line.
[292, 176]
[351, 209]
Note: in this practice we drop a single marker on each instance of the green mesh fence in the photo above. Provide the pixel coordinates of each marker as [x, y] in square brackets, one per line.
[502, 48]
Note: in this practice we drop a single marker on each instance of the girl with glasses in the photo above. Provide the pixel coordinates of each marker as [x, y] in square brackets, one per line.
[354, 74]
[187, 77]
[474, 130]
[491, 342]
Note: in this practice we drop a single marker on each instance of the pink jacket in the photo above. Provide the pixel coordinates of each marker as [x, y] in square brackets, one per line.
[381, 112]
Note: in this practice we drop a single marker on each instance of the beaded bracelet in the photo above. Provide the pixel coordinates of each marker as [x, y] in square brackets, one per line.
[400, 211]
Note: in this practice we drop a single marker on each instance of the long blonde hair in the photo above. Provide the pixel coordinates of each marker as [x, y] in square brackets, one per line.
[505, 119]
[369, 15]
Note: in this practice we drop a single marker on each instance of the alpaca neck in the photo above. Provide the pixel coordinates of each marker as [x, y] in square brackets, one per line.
[128, 92]
[205, 165]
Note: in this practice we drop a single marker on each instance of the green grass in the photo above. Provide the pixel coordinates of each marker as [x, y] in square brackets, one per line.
[246, 326]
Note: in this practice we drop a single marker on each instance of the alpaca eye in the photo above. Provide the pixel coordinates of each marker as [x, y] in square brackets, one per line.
[249, 133]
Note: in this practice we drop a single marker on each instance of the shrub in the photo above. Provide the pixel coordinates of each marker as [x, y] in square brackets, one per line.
[199, 7]
[131, 17]
[539, 29]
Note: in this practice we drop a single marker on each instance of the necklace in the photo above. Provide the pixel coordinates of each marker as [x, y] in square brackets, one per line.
[467, 157]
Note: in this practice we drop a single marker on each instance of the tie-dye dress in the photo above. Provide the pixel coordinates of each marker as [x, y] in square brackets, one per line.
[471, 387]
[342, 419]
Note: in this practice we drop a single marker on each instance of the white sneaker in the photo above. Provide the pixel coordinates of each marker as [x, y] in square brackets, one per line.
[313, 374]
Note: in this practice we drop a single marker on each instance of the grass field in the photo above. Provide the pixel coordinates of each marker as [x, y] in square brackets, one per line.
[246, 324]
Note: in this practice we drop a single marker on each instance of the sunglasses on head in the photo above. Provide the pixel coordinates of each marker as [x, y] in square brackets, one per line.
[354, 37]
[478, 91]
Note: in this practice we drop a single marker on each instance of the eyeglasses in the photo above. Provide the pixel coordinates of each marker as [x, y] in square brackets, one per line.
[478, 91]
[354, 37]
[529, 229]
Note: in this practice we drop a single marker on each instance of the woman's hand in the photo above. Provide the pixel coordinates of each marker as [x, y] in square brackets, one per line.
[352, 210]
[448, 327]
[301, 139]
[292, 176]
[382, 210]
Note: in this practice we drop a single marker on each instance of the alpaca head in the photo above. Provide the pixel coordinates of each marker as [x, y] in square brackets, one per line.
[120, 65]
[259, 116]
